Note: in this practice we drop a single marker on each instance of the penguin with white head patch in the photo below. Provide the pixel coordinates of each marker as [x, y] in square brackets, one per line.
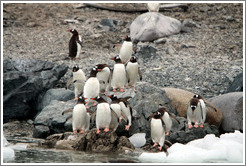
[118, 79]
[92, 87]
[103, 115]
[196, 112]
[158, 128]
[126, 50]
[75, 44]
[132, 71]
[103, 75]
[79, 81]
[81, 119]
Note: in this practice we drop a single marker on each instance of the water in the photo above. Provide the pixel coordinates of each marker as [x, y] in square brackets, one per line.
[66, 156]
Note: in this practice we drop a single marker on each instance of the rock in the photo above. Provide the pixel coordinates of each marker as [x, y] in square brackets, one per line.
[160, 41]
[60, 94]
[24, 80]
[108, 22]
[189, 23]
[180, 99]
[89, 142]
[231, 105]
[153, 25]
[51, 118]
[237, 84]
[67, 21]
[145, 53]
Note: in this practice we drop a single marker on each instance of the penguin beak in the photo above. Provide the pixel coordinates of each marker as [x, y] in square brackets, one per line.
[68, 30]
[85, 98]
[93, 98]
[109, 96]
[99, 69]
[112, 58]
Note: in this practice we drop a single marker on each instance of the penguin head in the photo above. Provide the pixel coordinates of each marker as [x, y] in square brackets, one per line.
[194, 103]
[81, 100]
[100, 67]
[197, 96]
[94, 72]
[128, 38]
[159, 113]
[133, 59]
[117, 59]
[73, 31]
[113, 97]
[75, 68]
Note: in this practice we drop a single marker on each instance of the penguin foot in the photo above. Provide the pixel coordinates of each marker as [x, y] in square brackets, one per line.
[106, 129]
[167, 133]
[95, 103]
[82, 131]
[75, 131]
[189, 126]
[127, 127]
[195, 125]
[86, 106]
[160, 148]
[155, 144]
[134, 88]
[98, 131]
[76, 98]
[201, 126]
[122, 90]
[127, 87]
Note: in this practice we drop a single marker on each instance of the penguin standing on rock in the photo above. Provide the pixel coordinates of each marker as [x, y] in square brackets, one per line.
[81, 119]
[79, 81]
[103, 76]
[158, 128]
[196, 112]
[75, 44]
[118, 80]
[132, 71]
[92, 87]
[126, 50]
[127, 110]
[103, 115]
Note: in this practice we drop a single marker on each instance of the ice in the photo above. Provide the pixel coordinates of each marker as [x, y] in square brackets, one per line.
[153, 157]
[18, 146]
[8, 154]
[138, 140]
[228, 148]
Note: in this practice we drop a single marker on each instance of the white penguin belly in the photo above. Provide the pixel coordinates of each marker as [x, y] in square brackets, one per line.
[157, 131]
[168, 121]
[126, 51]
[194, 116]
[119, 76]
[91, 88]
[103, 77]
[132, 73]
[79, 117]
[103, 116]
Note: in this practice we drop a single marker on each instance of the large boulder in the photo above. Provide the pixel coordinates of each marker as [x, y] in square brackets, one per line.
[180, 99]
[89, 142]
[231, 105]
[237, 84]
[23, 81]
[153, 25]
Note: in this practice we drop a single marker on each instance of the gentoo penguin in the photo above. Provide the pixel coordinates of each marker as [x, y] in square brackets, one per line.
[196, 112]
[92, 87]
[158, 128]
[127, 110]
[81, 119]
[118, 79]
[153, 7]
[132, 70]
[103, 76]
[103, 115]
[75, 44]
[126, 50]
[79, 81]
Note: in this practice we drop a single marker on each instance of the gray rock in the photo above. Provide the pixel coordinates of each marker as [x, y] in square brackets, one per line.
[153, 25]
[231, 105]
[41, 131]
[60, 94]
[23, 81]
[237, 84]
[108, 22]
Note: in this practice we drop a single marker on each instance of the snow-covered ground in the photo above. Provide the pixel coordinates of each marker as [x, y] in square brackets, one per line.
[228, 147]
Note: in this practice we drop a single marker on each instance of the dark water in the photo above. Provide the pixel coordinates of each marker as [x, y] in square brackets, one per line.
[65, 156]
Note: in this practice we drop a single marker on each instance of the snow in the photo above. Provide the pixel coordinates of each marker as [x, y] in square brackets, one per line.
[228, 148]
[138, 140]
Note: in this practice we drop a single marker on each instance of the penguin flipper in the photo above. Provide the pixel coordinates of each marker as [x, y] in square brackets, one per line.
[163, 125]
[140, 74]
[124, 116]
[67, 110]
[80, 41]
[69, 82]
